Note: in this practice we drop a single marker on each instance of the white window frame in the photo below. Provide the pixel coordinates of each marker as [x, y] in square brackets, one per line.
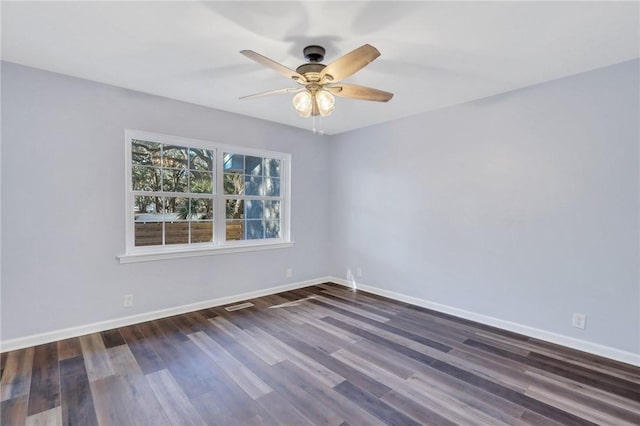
[219, 245]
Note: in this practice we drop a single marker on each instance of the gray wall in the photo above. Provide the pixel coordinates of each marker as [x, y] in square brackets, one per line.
[522, 206]
[63, 204]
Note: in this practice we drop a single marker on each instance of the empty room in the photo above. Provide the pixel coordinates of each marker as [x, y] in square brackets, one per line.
[320, 213]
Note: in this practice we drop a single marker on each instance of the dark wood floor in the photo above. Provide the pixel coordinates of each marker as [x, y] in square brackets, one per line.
[321, 355]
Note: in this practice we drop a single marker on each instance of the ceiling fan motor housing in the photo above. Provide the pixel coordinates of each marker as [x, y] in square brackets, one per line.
[310, 67]
[314, 53]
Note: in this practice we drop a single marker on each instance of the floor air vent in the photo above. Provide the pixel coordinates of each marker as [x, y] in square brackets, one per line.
[239, 306]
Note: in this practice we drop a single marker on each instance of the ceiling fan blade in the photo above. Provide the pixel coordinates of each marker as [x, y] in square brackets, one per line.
[274, 65]
[350, 63]
[359, 92]
[274, 92]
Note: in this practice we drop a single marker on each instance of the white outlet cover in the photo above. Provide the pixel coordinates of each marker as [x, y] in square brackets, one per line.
[128, 300]
[579, 320]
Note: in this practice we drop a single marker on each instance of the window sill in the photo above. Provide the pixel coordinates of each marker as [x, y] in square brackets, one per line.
[196, 252]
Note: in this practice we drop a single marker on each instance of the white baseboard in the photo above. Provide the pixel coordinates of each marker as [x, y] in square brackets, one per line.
[52, 336]
[548, 336]
[582, 345]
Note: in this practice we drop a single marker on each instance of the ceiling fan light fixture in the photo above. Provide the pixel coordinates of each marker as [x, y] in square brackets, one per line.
[326, 102]
[319, 80]
[303, 103]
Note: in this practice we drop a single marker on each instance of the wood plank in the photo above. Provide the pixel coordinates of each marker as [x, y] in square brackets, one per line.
[432, 394]
[16, 376]
[77, 401]
[301, 396]
[146, 356]
[568, 404]
[185, 324]
[510, 395]
[14, 411]
[247, 338]
[146, 405]
[397, 347]
[69, 348]
[50, 417]
[375, 406]
[293, 392]
[191, 368]
[126, 397]
[416, 411]
[228, 406]
[281, 410]
[391, 329]
[391, 361]
[533, 418]
[175, 403]
[589, 396]
[241, 375]
[112, 399]
[324, 395]
[44, 393]
[318, 371]
[3, 361]
[95, 357]
[208, 313]
[623, 410]
[365, 382]
[112, 338]
[576, 373]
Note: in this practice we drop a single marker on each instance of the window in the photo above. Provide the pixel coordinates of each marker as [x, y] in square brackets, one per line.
[190, 196]
[252, 196]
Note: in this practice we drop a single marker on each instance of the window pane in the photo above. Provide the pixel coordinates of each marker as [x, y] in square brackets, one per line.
[174, 157]
[272, 187]
[147, 208]
[148, 233]
[235, 230]
[233, 184]
[145, 178]
[201, 232]
[233, 163]
[201, 208]
[145, 153]
[254, 209]
[201, 159]
[174, 180]
[255, 230]
[176, 208]
[253, 185]
[176, 232]
[201, 182]
[271, 167]
[235, 209]
[253, 165]
[272, 229]
[272, 209]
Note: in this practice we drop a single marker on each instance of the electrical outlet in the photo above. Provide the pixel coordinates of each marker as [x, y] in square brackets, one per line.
[359, 272]
[289, 272]
[128, 300]
[579, 320]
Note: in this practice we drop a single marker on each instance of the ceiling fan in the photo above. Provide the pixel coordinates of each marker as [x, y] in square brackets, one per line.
[320, 82]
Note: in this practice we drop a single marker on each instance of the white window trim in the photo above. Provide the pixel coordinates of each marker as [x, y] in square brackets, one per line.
[220, 246]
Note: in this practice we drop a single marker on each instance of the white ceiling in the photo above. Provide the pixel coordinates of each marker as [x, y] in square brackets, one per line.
[434, 54]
